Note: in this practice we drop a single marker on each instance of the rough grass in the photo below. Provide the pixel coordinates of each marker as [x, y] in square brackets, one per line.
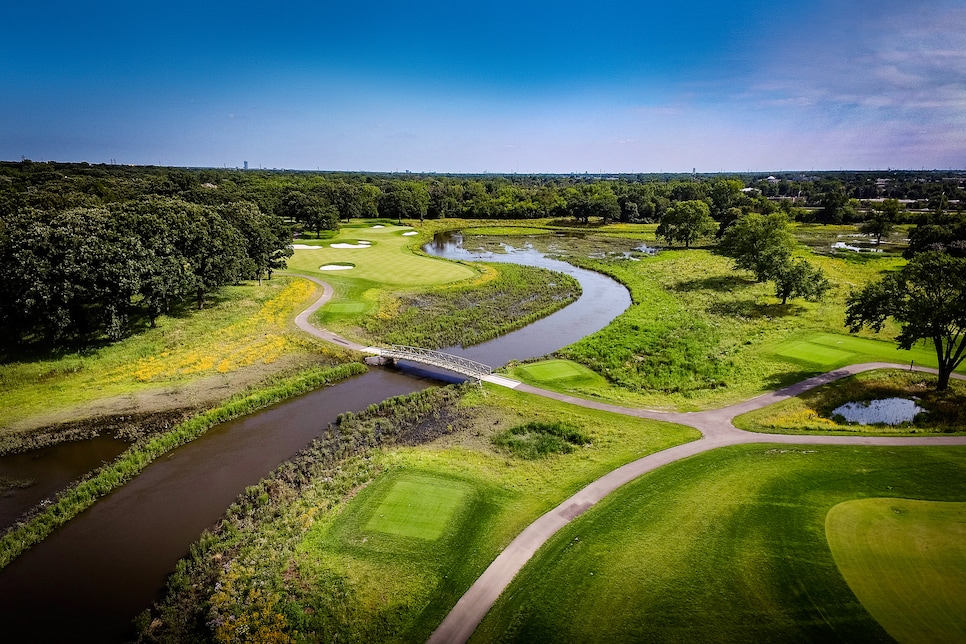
[906, 562]
[700, 335]
[246, 334]
[812, 410]
[535, 440]
[725, 546]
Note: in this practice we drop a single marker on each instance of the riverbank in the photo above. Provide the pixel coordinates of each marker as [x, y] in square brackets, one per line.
[77, 498]
[188, 363]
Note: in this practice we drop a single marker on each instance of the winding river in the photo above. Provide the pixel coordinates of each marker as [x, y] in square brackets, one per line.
[89, 579]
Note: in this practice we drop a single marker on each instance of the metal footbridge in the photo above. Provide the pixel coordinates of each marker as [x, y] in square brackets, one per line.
[456, 364]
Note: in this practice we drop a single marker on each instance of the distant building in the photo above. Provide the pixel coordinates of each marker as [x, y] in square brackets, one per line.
[246, 165]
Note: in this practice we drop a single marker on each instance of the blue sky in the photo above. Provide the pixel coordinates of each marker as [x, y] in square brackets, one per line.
[488, 87]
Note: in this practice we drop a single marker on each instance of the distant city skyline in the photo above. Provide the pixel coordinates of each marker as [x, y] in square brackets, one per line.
[537, 87]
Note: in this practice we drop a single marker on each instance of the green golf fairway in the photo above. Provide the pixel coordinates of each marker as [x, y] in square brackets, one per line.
[386, 259]
[906, 562]
[830, 350]
[417, 507]
[729, 545]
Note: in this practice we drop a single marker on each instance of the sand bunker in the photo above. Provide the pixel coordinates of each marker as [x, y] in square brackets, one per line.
[378, 226]
[359, 244]
[335, 267]
[411, 232]
[304, 247]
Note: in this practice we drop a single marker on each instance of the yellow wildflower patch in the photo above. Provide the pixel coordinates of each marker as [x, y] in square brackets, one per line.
[262, 337]
[799, 417]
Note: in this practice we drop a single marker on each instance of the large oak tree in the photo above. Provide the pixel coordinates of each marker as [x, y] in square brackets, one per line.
[686, 221]
[927, 297]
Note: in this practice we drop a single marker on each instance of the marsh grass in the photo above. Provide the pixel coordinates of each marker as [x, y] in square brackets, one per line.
[812, 411]
[506, 297]
[536, 439]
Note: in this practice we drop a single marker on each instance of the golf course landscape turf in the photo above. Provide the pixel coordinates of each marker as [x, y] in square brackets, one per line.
[906, 562]
[419, 507]
[725, 546]
[386, 263]
[386, 259]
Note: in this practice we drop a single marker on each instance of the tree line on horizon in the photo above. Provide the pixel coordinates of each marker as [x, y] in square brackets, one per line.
[99, 251]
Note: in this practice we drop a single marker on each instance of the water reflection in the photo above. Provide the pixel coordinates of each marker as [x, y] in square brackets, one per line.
[602, 299]
[887, 411]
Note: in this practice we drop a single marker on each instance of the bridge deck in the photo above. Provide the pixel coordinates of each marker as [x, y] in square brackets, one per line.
[447, 361]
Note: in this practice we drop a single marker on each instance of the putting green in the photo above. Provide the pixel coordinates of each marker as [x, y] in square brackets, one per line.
[418, 507]
[814, 353]
[906, 562]
[560, 373]
[347, 307]
[387, 260]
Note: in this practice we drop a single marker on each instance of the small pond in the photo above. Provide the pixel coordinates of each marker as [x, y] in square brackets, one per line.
[888, 411]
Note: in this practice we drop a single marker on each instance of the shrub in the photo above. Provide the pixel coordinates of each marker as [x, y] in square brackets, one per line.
[536, 439]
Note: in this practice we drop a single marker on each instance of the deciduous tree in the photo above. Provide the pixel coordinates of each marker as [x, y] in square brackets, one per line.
[927, 298]
[881, 221]
[686, 221]
[759, 243]
[800, 278]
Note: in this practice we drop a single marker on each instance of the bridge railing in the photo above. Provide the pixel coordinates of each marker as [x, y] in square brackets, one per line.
[458, 364]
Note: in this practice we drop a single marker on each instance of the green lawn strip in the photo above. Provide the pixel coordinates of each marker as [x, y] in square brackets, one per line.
[724, 546]
[812, 411]
[175, 348]
[131, 462]
[906, 562]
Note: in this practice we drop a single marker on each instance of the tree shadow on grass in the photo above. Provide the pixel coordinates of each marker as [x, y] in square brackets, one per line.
[721, 283]
[780, 380]
[749, 308]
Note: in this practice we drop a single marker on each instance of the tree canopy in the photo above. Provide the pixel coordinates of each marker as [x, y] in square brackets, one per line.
[927, 298]
[759, 243]
[84, 274]
[686, 221]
